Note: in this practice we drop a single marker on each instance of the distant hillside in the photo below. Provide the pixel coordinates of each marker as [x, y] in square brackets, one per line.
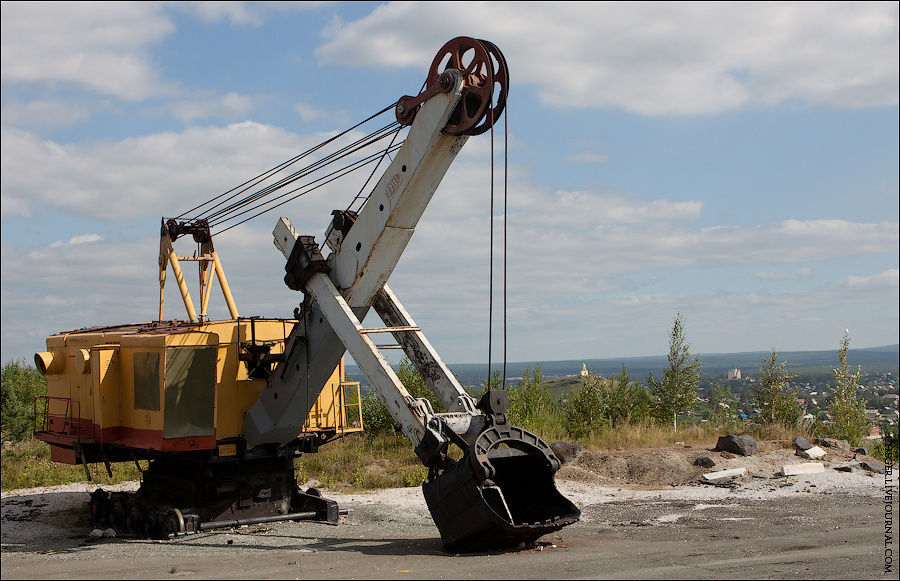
[880, 359]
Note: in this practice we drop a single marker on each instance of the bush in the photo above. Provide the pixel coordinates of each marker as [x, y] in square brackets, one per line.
[376, 417]
[20, 383]
[531, 405]
[601, 403]
[886, 449]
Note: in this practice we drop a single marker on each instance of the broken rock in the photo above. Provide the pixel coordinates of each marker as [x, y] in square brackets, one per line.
[565, 451]
[742, 445]
[704, 462]
[813, 453]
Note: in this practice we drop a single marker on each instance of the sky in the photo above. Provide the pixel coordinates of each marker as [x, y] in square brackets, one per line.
[734, 163]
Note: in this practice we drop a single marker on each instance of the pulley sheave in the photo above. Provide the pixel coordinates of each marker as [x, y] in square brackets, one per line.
[485, 85]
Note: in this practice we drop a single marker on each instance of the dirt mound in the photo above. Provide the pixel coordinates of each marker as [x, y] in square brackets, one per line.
[646, 467]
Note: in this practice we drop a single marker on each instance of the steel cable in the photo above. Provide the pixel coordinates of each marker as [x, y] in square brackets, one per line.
[337, 174]
[233, 210]
[240, 188]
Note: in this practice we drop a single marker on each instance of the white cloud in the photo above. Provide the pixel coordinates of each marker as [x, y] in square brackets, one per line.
[244, 13]
[98, 46]
[801, 273]
[652, 58]
[152, 175]
[229, 107]
[575, 257]
[588, 157]
[237, 13]
[80, 239]
[888, 278]
[44, 114]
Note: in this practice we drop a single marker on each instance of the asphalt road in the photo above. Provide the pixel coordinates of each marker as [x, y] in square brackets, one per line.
[807, 535]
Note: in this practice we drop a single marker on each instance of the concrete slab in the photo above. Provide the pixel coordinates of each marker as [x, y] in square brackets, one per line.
[732, 473]
[807, 468]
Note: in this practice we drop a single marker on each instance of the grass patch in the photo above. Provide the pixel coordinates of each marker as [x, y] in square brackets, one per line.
[27, 464]
[649, 435]
[359, 462]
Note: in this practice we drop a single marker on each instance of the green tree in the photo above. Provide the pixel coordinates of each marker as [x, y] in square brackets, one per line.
[773, 394]
[531, 404]
[20, 383]
[495, 382]
[723, 408]
[676, 391]
[628, 401]
[586, 411]
[376, 417]
[847, 411]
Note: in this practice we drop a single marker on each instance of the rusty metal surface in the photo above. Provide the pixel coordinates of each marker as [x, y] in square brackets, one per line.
[408, 106]
[155, 327]
[472, 59]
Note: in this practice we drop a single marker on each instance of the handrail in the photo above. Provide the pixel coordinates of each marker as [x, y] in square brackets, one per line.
[70, 418]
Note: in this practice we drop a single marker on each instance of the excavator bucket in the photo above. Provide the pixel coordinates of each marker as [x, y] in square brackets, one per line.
[501, 494]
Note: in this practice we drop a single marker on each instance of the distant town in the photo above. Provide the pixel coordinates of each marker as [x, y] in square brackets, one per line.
[737, 372]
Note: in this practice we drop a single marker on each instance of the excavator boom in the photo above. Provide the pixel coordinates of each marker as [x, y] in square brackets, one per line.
[501, 493]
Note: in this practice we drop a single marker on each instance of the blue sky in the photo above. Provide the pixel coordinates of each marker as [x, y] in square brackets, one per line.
[734, 163]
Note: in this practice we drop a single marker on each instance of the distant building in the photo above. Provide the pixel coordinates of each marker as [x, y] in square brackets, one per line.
[734, 372]
[584, 371]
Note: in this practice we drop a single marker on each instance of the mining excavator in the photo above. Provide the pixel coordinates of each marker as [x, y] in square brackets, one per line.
[221, 409]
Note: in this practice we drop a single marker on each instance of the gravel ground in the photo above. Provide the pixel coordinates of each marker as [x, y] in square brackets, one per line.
[820, 525]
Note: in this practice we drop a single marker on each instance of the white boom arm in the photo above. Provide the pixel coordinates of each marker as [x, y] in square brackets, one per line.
[353, 279]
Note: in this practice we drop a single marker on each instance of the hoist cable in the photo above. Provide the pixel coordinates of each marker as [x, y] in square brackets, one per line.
[222, 213]
[491, 260]
[505, 214]
[374, 169]
[286, 163]
[340, 173]
[354, 165]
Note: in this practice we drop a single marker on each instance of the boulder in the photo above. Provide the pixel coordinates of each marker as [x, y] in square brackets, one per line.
[742, 445]
[862, 451]
[801, 443]
[565, 451]
[873, 466]
[832, 443]
[852, 467]
[704, 462]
